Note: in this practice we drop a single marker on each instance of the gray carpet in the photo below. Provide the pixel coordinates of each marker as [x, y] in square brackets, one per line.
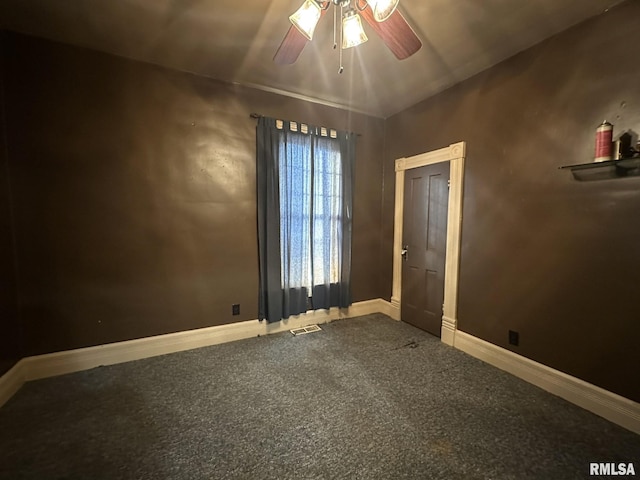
[366, 398]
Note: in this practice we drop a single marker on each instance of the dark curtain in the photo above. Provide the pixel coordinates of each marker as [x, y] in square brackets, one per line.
[305, 207]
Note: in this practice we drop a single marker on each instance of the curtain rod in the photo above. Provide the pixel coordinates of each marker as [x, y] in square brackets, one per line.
[258, 115]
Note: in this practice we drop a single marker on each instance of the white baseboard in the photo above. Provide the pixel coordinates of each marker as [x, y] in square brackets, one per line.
[390, 309]
[11, 382]
[615, 408]
[69, 361]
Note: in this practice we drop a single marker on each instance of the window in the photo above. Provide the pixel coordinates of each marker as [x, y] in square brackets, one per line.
[305, 183]
[310, 210]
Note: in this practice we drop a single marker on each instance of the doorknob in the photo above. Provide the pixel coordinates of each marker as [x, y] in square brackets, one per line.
[405, 250]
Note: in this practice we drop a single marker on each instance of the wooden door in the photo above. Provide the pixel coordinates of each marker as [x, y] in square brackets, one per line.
[426, 199]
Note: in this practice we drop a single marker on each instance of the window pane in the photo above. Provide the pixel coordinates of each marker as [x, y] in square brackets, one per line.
[310, 210]
[327, 202]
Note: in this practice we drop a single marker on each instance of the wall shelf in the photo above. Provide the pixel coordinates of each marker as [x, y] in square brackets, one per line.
[624, 167]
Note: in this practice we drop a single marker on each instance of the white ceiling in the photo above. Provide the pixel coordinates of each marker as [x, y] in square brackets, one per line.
[235, 41]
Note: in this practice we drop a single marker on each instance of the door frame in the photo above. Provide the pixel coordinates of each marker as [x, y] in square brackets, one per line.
[455, 154]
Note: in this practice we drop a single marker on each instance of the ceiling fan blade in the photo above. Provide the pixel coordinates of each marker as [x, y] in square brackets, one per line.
[292, 45]
[395, 32]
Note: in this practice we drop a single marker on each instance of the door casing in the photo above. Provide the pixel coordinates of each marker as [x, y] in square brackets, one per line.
[455, 154]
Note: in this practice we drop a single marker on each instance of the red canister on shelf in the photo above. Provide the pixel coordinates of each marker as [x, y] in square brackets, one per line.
[604, 139]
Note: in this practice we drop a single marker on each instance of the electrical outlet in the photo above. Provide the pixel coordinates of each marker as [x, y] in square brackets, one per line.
[514, 338]
[235, 309]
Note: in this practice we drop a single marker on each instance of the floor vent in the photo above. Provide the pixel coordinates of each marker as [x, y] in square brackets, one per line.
[303, 330]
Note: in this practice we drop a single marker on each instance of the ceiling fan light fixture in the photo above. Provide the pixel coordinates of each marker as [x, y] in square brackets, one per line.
[306, 18]
[352, 31]
[382, 9]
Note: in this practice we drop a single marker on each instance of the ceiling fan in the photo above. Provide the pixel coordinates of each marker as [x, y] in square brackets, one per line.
[381, 15]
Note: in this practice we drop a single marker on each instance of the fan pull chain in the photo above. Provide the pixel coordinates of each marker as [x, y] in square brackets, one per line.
[335, 21]
[341, 69]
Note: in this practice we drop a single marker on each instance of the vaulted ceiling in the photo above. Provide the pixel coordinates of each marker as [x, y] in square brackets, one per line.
[235, 41]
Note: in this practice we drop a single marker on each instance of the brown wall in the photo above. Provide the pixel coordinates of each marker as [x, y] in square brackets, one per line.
[134, 195]
[10, 336]
[133, 199]
[543, 254]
